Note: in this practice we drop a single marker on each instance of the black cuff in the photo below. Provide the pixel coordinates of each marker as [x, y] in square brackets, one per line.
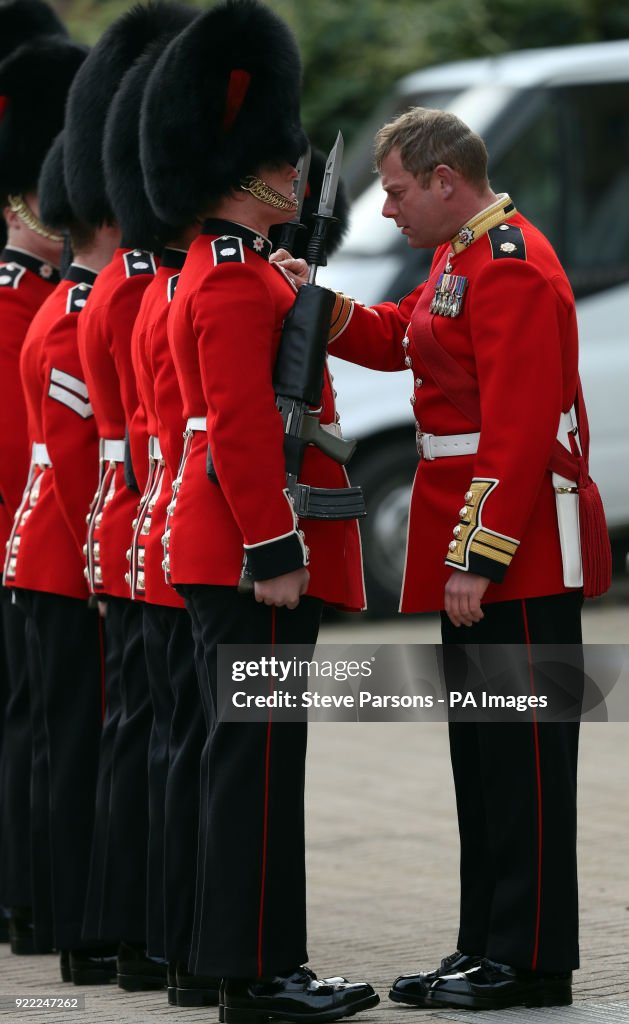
[488, 567]
[276, 557]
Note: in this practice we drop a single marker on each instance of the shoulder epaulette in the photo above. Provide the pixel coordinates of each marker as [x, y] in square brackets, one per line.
[171, 286]
[228, 249]
[139, 261]
[77, 297]
[11, 275]
[507, 241]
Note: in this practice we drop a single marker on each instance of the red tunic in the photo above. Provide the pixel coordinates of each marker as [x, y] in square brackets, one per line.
[105, 351]
[224, 330]
[25, 282]
[516, 336]
[46, 549]
[160, 401]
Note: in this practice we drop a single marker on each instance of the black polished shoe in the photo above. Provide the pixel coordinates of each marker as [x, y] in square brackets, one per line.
[97, 966]
[21, 931]
[4, 925]
[493, 986]
[221, 992]
[138, 972]
[413, 988]
[296, 996]
[196, 989]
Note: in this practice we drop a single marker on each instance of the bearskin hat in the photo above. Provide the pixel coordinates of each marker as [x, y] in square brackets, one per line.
[54, 204]
[34, 83]
[222, 101]
[90, 97]
[124, 181]
[336, 229]
[22, 20]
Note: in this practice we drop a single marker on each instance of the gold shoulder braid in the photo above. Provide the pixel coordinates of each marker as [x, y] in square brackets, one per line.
[266, 194]
[19, 205]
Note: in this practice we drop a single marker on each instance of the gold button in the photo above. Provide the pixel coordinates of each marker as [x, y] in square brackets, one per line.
[134, 524]
[128, 554]
[418, 382]
[408, 361]
[463, 512]
[469, 495]
[127, 578]
[457, 531]
[453, 545]
[413, 399]
[86, 573]
[85, 550]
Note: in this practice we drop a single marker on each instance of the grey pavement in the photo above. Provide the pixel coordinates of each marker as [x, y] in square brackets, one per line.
[382, 865]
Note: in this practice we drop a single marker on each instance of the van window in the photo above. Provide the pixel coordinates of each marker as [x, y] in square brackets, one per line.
[567, 170]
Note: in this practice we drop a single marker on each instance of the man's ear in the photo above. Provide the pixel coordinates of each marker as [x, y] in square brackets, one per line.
[446, 180]
[11, 219]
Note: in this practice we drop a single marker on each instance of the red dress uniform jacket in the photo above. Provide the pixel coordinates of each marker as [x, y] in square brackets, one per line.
[224, 329]
[492, 512]
[46, 546]
[105, 351]
[160, 402]
[25, 282]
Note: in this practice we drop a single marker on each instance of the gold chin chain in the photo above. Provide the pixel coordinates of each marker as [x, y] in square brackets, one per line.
[19, 205]
[266, 194]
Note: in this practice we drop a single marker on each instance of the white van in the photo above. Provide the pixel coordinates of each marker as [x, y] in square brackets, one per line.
[556, 123]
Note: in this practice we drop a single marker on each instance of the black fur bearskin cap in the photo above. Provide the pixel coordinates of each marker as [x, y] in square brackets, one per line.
[90, 98]
[54, 204]
[124, 181]
[22, 20]
[337, 228]
[34, 83]
[222, 101]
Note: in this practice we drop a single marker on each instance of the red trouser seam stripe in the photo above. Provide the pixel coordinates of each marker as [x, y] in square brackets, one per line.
[538, 773]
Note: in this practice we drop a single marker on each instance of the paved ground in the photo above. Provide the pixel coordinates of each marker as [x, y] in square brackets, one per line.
[382, 857]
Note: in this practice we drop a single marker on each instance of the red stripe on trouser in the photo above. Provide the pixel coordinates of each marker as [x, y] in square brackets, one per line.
[538, 774]
[265, 825]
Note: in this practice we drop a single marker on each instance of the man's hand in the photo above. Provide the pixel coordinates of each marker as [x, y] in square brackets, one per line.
[295, 270]
[463, 595]
[283, 591]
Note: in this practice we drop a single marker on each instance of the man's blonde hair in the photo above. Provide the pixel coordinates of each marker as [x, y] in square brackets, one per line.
[427, 138]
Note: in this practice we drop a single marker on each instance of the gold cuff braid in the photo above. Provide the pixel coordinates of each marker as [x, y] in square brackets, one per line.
[266, 194]
[19, 205]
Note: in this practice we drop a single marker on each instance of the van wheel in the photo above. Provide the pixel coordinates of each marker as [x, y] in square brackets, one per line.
[386, 475]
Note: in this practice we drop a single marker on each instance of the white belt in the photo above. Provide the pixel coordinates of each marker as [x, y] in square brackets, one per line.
[40, 456]
[111, 450]
[155, 452]
[434, 446]
[196, 423]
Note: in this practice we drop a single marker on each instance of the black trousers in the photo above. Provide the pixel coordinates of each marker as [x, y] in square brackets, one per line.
[250, 914]
[516, 790]
[15, 760]
[66, 696]
[181, 798]
[117, 897]
[92, 920]
[175, 746]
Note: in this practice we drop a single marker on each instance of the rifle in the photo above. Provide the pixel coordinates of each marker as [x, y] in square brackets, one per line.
[299, 370]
